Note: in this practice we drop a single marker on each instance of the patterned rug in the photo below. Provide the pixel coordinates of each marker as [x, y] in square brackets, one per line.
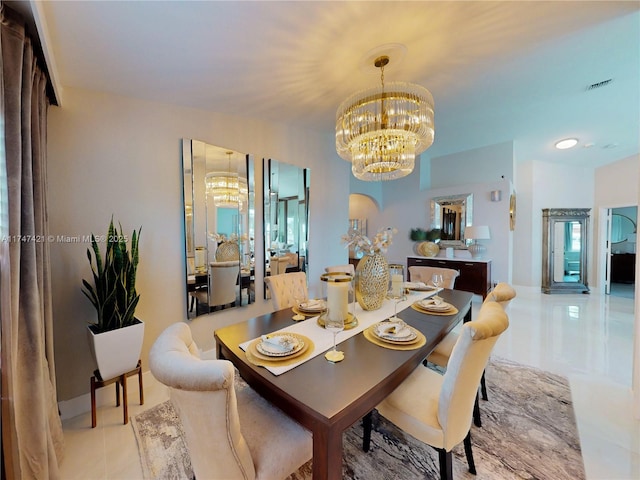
[528, 432]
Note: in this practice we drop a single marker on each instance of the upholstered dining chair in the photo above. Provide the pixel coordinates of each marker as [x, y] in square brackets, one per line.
[229, 433]
[286, 288]
[278, 265]
[502, 293]
[437, 409]
[223, 284]
[423, 274]
[347, 268]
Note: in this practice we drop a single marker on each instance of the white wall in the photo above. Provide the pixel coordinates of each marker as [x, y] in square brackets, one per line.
[546, 185]
[121, 156]
[617, 185]
[405, 203]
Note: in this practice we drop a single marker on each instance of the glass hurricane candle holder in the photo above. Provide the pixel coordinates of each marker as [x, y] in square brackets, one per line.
[396, 280]
[336, 290]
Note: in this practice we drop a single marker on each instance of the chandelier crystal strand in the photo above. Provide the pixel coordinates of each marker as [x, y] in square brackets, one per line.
[227, 189]
[381, 132]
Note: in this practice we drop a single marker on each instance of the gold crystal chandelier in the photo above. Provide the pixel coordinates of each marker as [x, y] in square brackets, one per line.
[227, 189]
[381, 130]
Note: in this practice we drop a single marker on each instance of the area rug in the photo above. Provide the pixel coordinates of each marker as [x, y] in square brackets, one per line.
[528, 432]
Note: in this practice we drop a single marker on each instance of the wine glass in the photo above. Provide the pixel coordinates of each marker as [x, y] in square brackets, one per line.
[334, 325]
[299, 298]
[396, 301]
[437, 280]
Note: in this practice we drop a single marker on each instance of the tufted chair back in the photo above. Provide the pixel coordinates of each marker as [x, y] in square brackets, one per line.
[466, 365]
[230, 430]
[286, 287]
[424, 274]
[203, 394]
[502, 293]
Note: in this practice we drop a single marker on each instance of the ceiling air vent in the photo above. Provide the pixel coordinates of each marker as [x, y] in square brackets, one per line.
[601, 84]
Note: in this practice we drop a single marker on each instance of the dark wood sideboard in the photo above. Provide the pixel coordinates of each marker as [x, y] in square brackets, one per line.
[623, 267]
[475, 275]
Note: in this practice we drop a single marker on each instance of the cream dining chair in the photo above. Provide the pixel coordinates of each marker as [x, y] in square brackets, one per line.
[423, 274]
[286, 288]
[437, 409]
[502, 293]
[223, 284]
[229, 433]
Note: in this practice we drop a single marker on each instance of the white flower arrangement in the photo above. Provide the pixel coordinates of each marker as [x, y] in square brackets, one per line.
[362, 243]
[222, 238]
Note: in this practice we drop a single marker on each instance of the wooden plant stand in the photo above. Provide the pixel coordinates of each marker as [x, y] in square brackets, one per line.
[98, 382]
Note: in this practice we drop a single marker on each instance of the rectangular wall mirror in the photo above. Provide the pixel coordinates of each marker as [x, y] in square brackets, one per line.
[451, 215]
[219, 227]
[286, 217]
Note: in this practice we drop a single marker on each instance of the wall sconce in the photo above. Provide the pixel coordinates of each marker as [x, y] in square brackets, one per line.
[496, 195]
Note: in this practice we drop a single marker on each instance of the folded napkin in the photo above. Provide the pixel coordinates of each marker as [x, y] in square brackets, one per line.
[433, 301]
[434, 304]
[313, 304]
[279, 342]
[393, 330]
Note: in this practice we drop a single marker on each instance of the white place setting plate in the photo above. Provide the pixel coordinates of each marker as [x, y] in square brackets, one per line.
[394, 332]
[419, 287]
[279, 345]
[434, 304]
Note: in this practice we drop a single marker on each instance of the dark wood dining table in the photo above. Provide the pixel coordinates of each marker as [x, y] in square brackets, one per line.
[328, 398]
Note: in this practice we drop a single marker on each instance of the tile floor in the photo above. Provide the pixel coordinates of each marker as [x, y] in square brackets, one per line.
[587, 338]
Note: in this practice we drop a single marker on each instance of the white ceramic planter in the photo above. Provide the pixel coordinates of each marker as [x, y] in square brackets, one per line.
[117, 351]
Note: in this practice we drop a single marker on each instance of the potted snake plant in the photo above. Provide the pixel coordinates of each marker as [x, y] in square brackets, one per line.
[115, 338]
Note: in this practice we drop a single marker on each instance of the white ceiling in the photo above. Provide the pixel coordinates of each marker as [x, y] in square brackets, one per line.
[498, 71]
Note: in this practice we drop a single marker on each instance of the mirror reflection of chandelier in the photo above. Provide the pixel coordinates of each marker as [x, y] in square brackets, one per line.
[227, 189]
[381, 130]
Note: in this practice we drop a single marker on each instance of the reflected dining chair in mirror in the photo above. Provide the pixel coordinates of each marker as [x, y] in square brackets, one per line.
[223, 281]
[437, 409]
[230, 430]
[218, 211]
[425, 274]
[287, 288]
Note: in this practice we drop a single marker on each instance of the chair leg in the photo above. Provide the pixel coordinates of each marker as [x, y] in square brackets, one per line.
[366, 431]
[469, 453]
[446, 464]
[483, 386]
[476, 412]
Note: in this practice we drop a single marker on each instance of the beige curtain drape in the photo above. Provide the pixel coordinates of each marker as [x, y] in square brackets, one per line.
[32, 439]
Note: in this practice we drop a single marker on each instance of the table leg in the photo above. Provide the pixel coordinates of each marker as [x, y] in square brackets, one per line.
[327, 454]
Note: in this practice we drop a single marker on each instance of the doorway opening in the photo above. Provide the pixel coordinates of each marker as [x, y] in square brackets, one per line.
[622, 232]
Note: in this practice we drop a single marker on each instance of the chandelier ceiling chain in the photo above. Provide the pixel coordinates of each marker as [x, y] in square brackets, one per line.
[380, 130]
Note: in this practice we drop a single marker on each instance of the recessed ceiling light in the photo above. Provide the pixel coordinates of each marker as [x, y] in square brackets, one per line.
[566, 143]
